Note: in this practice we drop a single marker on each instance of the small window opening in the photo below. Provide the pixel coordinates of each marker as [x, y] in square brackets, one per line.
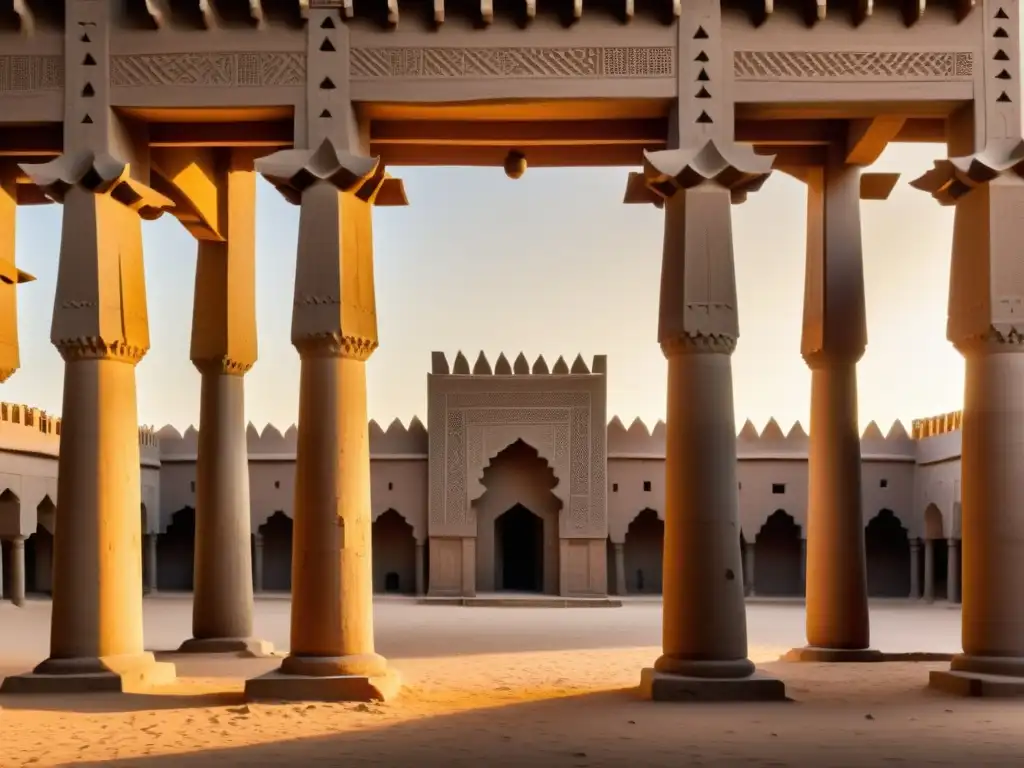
[778, 488]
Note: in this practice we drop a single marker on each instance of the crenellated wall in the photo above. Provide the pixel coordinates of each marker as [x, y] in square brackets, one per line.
[916, 476]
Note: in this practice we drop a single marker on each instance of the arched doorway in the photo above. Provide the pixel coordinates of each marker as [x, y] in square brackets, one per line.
[394, 554]
[519, 550]
[887, 551]
[643, 552]
[935, 538]
[517, 524]
[10, 526]
[777, 554]
[277, 553]
[39, 550]
[176, 552]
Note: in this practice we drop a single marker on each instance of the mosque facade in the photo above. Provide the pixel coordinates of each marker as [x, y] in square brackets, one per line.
[518, 483]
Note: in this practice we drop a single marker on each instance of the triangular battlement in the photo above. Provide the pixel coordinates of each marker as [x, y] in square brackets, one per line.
[460, 366]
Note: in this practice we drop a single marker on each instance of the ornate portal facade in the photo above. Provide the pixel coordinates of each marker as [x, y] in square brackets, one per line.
[124, 110]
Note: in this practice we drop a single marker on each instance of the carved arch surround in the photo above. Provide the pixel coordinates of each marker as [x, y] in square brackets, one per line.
[563, 422]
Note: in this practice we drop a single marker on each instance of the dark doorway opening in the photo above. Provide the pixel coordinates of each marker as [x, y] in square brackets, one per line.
[777, 557]
[887, 551]
[643, 551]
[392, 582]
[175, 550]
[519, 540]
[277, 553]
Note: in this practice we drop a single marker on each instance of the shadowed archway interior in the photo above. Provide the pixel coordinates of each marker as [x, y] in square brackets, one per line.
[517, 520]
[176, 552]
[277, 552]
[394, 554]
[643, 551]
[777, 557]
[887, 550]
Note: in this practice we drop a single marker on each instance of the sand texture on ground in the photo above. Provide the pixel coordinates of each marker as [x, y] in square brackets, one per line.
[550, 708]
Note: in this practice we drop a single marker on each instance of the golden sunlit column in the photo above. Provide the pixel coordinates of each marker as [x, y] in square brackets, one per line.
[10, 276]
[986, 325]
[704, 633]
[334, 329]
[834, 339]
[224, 348]
[101, 329]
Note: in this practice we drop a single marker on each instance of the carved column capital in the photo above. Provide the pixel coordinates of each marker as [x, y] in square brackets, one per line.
[100, 307]
[223, 366]
[334, 311]
[986, 287]
[696, 185]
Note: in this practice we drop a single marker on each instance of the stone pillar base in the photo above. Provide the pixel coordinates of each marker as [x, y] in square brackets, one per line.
[138, 673]
[244, 647]
[279, 686]
[987, 676]
[662, 686]
[833, 655]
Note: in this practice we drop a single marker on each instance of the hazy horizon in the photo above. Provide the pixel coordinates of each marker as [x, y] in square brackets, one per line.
[551, 264]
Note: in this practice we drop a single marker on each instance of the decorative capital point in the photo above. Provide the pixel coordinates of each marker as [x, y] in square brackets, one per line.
[99, 173]
[735, 167]
[952, 178]
[293, 171]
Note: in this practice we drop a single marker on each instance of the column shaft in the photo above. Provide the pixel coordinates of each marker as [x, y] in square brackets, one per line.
[151, 563]
[929, 570]
[620, 568]
[421, 575]
[953, 571]
[992, 498]
[915, 569]
[837, 602]
[704, 615]
[803, 565]
[749, 568]
[332, 576]
[257, 562]
[222, 603]
[3, 592]
[17, 586]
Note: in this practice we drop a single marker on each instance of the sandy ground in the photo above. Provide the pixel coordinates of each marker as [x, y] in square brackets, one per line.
[516, 687]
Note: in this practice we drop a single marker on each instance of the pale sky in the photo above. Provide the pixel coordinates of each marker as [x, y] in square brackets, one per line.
[553, 263]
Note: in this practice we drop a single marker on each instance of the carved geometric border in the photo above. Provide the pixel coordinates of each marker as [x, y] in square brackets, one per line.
[512, 63]
[213, 69]
[852, 65]
[31, 73]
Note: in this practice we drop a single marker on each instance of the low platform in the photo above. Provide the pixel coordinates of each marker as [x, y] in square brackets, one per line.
[866, 656]
[522, 601]
[659, 686]
[277, 686]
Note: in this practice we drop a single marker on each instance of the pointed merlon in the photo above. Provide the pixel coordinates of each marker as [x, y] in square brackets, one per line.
[501, 366]
[659, 430]
[540, 365]
[616, 423]
[461, 366]
[439, 363]
[600, 364]
[638, 428]
[796, 432]
[561, 368]
[578, 366]
[521, 367]
[482, 366]
[396, 427]
[872, 432]
[897, 431]
[749, 431]
[772, 431]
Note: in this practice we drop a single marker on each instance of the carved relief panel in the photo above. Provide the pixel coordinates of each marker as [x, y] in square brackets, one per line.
[473, 418]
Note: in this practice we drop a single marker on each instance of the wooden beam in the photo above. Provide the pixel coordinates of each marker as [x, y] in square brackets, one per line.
[626, 155]
[277, 133]
[519, 134]
[927, 130]
[188, 176]
[866, 140]
[877, 186]
[789, 132]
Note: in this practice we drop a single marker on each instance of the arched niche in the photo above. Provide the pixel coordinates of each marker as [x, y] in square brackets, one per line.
[887, 555]
[176, 552]
[394, 554]
[277, 552]
[777, 556]
[643, 552]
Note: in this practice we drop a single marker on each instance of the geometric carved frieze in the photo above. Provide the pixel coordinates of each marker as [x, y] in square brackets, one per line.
[559, 425]
[31, 73]
[527, 63]
[259, 68]
[852, 65]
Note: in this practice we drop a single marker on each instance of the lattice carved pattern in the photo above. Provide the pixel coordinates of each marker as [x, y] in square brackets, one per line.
[226, 70]
[480, 425]
[820, 65]
[31, 73]
[520, 63]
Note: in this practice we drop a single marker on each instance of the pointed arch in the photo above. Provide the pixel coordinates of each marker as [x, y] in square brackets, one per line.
[394, 554]
[277, 552]
[777, 556]
[643, 553]
[887, 552]
[10, 513]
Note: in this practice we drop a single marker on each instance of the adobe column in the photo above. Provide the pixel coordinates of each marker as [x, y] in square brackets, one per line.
[101, 330]
[334, 329]
[224, 349]
[704, 633]
[16, 589]
[986, 326]
[834, 338]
